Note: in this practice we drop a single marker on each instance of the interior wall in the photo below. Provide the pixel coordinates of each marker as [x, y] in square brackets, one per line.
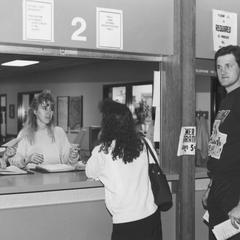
[156, 28]
[204, 35]
[86, 80]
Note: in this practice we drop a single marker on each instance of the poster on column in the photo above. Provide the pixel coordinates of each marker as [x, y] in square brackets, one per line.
[187, 141]
[38, 20]
[224, 29]
[109, 28]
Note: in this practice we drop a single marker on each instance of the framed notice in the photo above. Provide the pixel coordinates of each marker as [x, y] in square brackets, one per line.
[109, 28]
[70, 113]
[224, 29]
[11, 111]
[38, 20]
[75, 113]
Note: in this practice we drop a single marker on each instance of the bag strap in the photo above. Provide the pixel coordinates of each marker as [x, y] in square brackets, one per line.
[151, 152]
[153, 156]
[147, 150]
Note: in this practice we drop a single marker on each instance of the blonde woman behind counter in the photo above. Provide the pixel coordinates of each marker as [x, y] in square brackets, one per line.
[42, 142]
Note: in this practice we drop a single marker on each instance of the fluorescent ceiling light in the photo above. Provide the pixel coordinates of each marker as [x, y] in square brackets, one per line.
[19, 63]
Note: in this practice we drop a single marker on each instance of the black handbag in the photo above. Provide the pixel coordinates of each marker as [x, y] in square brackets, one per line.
[160, 188]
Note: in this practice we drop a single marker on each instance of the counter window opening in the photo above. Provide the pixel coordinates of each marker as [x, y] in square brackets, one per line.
[138, 96]
[3, 117]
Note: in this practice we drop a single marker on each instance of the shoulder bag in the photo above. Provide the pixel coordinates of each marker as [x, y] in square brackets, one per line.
[160, 188]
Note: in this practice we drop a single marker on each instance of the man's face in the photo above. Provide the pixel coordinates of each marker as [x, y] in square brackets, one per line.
[228, 72]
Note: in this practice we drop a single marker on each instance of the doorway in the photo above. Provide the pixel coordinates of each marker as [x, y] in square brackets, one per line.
[3, 116]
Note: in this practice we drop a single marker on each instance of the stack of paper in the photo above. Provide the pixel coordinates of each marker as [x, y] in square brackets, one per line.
[12, 170]
[225, 230]
[55, 167]
[12, 142]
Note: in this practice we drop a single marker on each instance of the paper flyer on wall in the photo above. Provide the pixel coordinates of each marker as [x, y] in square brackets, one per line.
[187, 141]
[224, 28]
[38, 20]
[109, 28]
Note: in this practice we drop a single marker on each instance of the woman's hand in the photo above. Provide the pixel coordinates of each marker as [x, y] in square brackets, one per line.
[234, 216]
[36, 158]
[73, 153]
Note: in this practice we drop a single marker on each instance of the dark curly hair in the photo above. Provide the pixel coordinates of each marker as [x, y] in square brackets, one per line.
[118, 124]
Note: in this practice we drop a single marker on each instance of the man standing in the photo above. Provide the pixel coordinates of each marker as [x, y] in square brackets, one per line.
[223, 200]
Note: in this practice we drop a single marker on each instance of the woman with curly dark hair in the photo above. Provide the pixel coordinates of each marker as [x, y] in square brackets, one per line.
[120, 162]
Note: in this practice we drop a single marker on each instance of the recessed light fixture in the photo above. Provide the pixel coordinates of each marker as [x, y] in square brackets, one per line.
[19, 63]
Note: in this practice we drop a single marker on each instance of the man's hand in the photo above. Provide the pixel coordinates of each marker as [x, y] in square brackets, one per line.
[234, 216]
[205, 198]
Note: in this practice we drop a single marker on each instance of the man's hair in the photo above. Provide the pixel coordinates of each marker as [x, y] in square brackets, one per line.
[230, 49]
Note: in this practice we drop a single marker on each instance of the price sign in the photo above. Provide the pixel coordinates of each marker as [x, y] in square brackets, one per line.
[187, 141]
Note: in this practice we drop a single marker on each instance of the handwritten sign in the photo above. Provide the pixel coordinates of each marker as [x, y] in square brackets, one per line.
[38, 20]
[187, 141]
[224, 29]
[109, 28]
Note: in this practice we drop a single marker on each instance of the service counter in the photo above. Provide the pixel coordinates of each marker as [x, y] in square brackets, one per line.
[64, 206]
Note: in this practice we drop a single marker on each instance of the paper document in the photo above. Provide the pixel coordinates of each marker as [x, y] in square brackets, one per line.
[55, 167]
[206, 216]
[12, 170]
[12, 142]
[225, 230]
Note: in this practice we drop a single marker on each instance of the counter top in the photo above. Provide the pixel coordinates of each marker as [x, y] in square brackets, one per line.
[38, 182]
[42, 182]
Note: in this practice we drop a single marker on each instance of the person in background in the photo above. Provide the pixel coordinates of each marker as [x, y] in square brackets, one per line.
[42, 142]
[223, 194]
[9, 152]
[120, 162]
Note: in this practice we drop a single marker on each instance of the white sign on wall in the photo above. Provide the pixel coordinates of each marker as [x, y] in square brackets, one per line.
[38, 20]
[224, 29]
[109, 28]
[187, 141]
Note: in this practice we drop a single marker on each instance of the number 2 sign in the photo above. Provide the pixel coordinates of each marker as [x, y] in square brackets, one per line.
[82, 25]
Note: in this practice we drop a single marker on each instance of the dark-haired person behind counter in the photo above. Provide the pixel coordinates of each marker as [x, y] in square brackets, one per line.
[120, 162]
[41, 141]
